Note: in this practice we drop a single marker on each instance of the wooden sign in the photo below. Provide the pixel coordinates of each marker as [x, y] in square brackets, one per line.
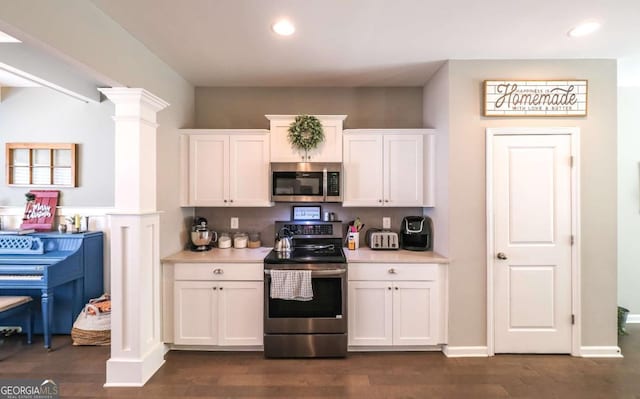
[40, 212]
[535, 98]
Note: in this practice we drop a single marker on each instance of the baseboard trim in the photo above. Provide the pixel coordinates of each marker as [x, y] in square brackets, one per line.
[416, 348]
[465, 351]
[601, 351]
[134, 372]
[633, 318]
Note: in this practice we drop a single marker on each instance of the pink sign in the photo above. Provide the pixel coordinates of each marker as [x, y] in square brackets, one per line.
[39, 213]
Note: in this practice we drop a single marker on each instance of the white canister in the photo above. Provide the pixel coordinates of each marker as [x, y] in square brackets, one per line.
[224, 241]
[240, 240]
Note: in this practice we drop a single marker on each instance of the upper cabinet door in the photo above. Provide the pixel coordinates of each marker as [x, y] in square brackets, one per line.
[403, 172]
[249, 170]
[363, 170]
[386, 167]
[330, 150]
[208, 170]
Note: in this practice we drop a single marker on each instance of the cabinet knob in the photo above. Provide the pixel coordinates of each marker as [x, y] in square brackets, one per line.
[396, 288]
[502, 256]
[220, 288]
[392, 271]
[389, 288]
[215, 288]
[386, 200]
[230, 200]
[308, 157]
[225, 201]
[379, 200]
[302, 157]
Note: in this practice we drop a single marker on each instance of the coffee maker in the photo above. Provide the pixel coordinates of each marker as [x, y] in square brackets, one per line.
[416, 233]
[202, 238]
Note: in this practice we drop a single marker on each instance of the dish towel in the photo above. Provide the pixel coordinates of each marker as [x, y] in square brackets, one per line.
[294, 285]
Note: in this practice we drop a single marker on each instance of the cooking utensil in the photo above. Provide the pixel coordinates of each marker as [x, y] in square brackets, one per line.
[283, 241]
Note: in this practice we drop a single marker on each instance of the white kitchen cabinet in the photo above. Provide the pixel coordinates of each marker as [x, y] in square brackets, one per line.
[226, 167]
[396, 305]
[217, 305]
[370, 313]
[195, 313]
[330, 150]
[388, 167]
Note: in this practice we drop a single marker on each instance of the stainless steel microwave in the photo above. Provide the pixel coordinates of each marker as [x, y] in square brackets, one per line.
[306, 182]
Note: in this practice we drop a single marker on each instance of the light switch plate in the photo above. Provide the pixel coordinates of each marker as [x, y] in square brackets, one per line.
[234, 222]
[386, 222]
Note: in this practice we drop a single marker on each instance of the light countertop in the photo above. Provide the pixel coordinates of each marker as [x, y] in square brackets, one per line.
[216, 255]
[367, 255]
[249, 255]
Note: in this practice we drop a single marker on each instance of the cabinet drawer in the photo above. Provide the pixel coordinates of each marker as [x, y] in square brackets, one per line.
[218, 271]
[393, 271]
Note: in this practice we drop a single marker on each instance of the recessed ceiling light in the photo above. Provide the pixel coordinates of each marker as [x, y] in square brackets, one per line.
[4, 38]
[283, 27]
[584, 29]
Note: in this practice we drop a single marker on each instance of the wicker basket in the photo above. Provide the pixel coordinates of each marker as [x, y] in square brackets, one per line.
[90, 337]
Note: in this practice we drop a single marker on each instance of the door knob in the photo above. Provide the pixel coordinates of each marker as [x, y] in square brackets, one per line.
[502, 256]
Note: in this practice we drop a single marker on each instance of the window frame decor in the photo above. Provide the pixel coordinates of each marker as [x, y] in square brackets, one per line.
[44, 169]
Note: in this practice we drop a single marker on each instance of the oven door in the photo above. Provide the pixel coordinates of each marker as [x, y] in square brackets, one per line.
[325, 313]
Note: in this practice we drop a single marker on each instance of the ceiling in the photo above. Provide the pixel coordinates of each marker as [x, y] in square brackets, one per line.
[365, 42]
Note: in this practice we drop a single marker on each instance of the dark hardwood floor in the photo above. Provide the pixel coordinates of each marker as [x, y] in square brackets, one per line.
[80, 372]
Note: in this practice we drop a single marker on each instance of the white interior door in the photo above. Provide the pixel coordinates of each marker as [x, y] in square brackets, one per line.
[532, 243]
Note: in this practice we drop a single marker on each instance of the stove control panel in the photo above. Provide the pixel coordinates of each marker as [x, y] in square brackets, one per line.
[312, 229]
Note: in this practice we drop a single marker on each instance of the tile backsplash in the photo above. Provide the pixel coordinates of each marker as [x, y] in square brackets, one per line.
[262, 219]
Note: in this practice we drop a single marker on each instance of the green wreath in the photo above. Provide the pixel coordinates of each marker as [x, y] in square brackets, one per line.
[306, 132]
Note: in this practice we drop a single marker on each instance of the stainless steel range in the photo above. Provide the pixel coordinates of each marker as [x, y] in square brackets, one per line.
[317, 327]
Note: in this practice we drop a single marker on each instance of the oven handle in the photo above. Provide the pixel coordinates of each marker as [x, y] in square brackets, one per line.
[334, 272]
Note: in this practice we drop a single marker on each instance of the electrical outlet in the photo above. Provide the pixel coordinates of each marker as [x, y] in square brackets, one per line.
[386, 222]
[234, 222]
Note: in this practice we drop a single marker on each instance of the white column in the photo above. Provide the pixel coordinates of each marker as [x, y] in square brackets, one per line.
[137, 351]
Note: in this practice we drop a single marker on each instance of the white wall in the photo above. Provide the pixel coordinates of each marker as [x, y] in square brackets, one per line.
[629, 199]
[43, 115]
[83, 34]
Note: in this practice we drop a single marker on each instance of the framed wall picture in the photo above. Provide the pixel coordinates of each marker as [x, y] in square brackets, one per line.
[541, 98]
[40, 210]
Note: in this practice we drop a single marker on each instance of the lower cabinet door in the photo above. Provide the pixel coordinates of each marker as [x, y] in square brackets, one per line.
[370, 313]
[195, 308]
[415, 313]
[240, 320]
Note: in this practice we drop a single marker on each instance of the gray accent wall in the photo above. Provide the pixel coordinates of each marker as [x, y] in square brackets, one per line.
[41, 115]
[467, 205]
[366, 107]
[262, 219]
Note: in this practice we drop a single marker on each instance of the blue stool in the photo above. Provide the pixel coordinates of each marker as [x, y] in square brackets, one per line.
[18, 305]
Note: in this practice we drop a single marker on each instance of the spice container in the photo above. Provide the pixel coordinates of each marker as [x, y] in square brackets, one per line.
[254, 240]
[240, 240]
[224, 240]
